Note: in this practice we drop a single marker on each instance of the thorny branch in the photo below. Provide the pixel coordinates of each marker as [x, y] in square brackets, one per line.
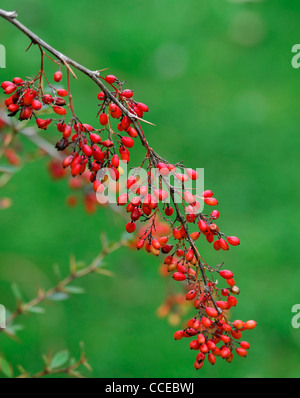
[75, 274]
[94, 75]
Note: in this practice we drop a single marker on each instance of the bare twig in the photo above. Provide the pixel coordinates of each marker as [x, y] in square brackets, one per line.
[42, 296]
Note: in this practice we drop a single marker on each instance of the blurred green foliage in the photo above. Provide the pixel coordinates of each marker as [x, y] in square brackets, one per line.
[217, 76]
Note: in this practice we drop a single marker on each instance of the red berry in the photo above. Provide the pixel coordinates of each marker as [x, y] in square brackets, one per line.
[177, 234]
[101, 96]
[179, 335]
[238, 324]
[192, 174]
[28, 97]
[194, 345]
[191, 295]
[59, 110]
[142, 107]
[217, 245]
[202, 226]
[43, 124]
[103, 119]
[61, 127]
[211, 201]
[87, 150]
[62, 92]
[10, 89]
[226, 274]
[124, 153]
[232, 301]
[211, 312]
[26, 113]
[179, 276]
[18, 81]
[206, 322]
[130, 227]
[58, 76]
[95, 138]
[169, 211]
[47, 99]
[163, 169]
[250, 325]
[132, 132]
[233, 240]
[115, 111]
[241, 352]
[67, 161]
[127, 142]
[6, 84]
[225, 353]
[211, 359]
[127, 93]
[36, 105]
[198, 365]
[215, 214]
[115, 161]
[224, 245]
[13, 108]
[245, 345]
[67, 132]
[110, 79]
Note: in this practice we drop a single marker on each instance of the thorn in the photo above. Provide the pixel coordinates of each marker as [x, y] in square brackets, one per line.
[69, 68]
[29, 46]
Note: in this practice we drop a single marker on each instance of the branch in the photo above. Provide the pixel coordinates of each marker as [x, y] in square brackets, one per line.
[94, 75]
[61, 286]
[51, 369]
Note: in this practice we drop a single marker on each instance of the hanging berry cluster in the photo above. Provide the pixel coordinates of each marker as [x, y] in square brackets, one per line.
[150, 200]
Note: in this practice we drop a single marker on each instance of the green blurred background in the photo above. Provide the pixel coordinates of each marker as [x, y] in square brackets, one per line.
[217, 76]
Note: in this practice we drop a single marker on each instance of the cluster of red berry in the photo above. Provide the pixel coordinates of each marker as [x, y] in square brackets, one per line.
[25, 99]
[212, 303]
[211, 328]
[149, 200]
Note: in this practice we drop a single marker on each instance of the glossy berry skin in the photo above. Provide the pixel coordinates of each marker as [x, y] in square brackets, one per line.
[179, 335]
[169, 211]
[110, 79]
[179, 276]
[143, 107]
[130, 227]
[250, 325]
[62, 92]
[245, 345]
[127, 142]
[58, 76]
[103, 119]
[43, 124]
[101, 96]
[127, 93]
[36, 105]
[212, 312]
[59, 110]
[241, 352]
[233, 240]
[226, 274]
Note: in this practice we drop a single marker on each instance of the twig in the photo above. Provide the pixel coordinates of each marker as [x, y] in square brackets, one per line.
[60, 287]
[94, 75]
